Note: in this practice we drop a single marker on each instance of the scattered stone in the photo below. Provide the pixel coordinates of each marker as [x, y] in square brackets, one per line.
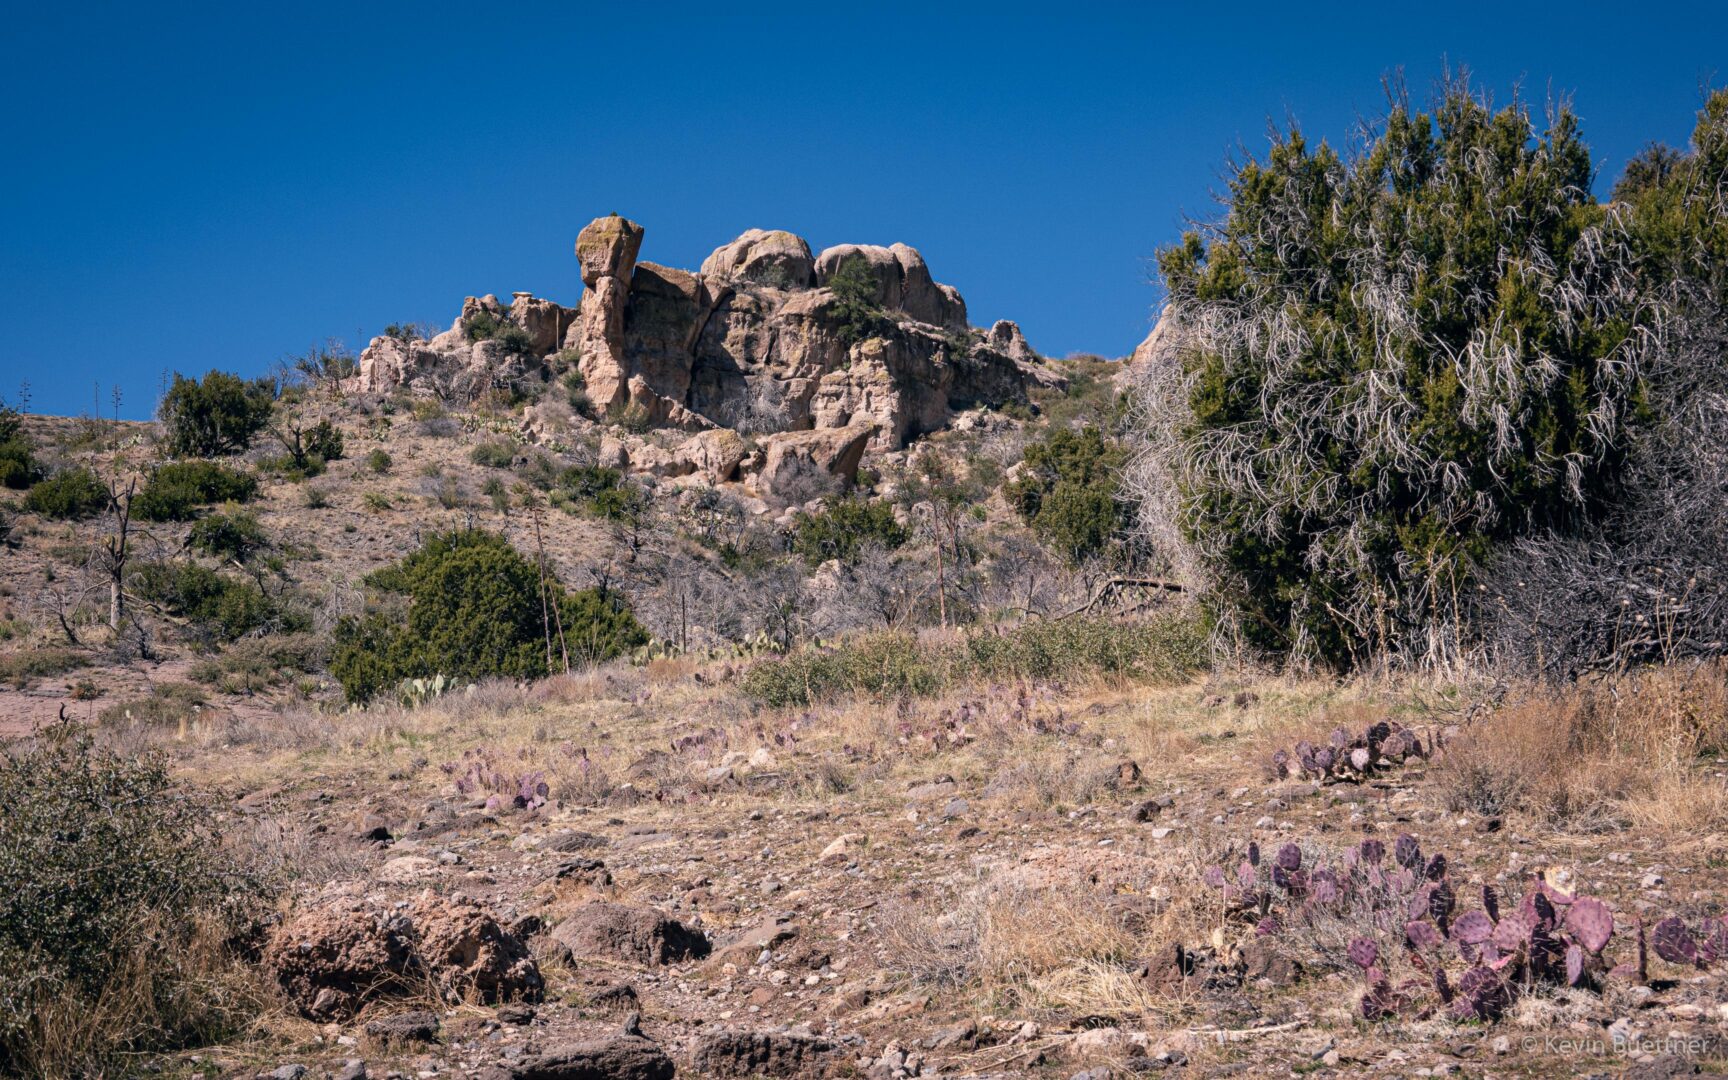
[841, 848]
[768, 934]
[352, 1069]
[615, 996]
[517, 1014]
[638, 935]
[288, 1072]
[419, 1026]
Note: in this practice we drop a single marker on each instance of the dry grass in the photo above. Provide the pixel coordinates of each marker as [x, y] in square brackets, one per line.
[1592, 757]
[1060, 938]
[196, 994]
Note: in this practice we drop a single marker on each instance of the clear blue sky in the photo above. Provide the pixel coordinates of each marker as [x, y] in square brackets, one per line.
[186, 187]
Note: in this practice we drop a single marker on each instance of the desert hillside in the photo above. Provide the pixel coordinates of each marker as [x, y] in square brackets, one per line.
[761, 671]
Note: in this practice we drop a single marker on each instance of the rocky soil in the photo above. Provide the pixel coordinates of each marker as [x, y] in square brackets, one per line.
[637, 874]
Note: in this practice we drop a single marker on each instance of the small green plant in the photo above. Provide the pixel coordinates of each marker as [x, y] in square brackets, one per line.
[635, 419]
[215, 605]
[844, 529]
[18, 467]
[317, 499]
[69, 495]
[117, 894]
[377, 501]
[22, 667]
[495, 489]
[220, 414]
[176, 491]
[600, 491]
[228, 534]
[379, 461]
[857, 310]
[493, 455]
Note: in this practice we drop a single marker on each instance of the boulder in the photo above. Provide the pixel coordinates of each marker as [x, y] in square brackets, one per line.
[922, 298]
[330, 959]
[665, 315]
[620, 1057]
[606, 247]
[637, 935]
[333, 959]
[801, 465]
[771, 257]
[735, 1053]
[1005, 337]
[466, 952]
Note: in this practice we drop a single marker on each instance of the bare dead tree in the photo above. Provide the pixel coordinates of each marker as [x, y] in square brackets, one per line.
[116, 546]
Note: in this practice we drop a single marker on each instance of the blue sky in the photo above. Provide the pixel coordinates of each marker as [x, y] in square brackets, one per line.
[187, 187]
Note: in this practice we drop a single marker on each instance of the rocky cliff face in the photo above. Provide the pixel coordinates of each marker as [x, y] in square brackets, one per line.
[755, 341]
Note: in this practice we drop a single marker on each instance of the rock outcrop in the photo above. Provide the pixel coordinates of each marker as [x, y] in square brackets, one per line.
[755, 341]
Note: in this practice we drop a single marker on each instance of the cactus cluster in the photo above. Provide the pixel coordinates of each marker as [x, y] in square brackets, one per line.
[750, 648]
[416, 692]
[1549, 937]
[1349, 757]
[478, 773]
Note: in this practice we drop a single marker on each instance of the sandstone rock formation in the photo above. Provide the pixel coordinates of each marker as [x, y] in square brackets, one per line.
[754, 341]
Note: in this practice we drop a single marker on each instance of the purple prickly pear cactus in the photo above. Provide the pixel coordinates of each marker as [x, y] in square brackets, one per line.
[1472, 928]
[1360, 759]
[1485, 993]
[1511, 933]
[1575, 972]
[1491, 902]
[1245, 874]
[1214, 876]
[1253, 853]
[1339, 738]
[1407, 852]
[1373, 852]
[1442, 985]
[1268, 926]
[1673, 942]
[1436, 868]
[1324, 759]
[1715, 946]
[1363, 953]
[1289, 857]
[1590, 923]
[1421, 935]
